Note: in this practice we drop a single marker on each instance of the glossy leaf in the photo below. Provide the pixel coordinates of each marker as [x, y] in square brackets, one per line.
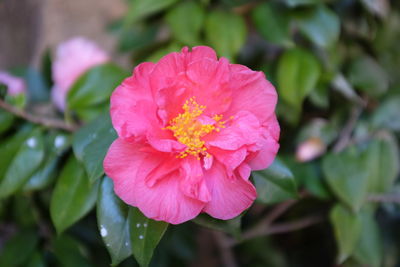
[321, 25]
[347, 230]
[347, 176]
[73, 196]
[367, 75]
[387, 114]
[369, 250]
[383, 164]
[228, 226]
[95, 86]
[9, 148]
[91, 144]
[55, 145]
[68, 252]
[6, 121]
[272, 23]
[225, 32]
[298, 73]
[275, 184]
[295, 3]
[112, 219]
[26, 161]
[186, 21]
[139, 9]
[145, 234]
[18, 249]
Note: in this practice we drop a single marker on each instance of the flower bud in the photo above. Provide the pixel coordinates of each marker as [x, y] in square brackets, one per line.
[310, 149]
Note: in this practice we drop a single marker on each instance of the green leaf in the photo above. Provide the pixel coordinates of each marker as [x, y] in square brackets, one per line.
[145, 235]
[112, 219]
[228, 226]
[307, 174]
[73, 196]
[347, 175]
[91, 144]
[56, 144]
[6, 121]
[321, 25]
[10, 147]
[272, 22]
[68, 252]
[275, 184]
[367, 75]
[36, 260]
[298, 73]
[26, 161]
[139, 9]
[225, 32]
[387, 114]
[186, 21]
[138, 36]
[18, 249]
[95, 86]
[295, 3]
[383, 164]
[369, 250]
[347, 230]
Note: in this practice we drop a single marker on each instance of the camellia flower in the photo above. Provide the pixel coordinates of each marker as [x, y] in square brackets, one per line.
[15, 85]
[73, 58]
[190, 129]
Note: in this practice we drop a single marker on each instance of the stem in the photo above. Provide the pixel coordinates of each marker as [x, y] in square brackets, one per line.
[47, 122]
[280, 228]
[391, 198]
[345, 134]
[227, 255]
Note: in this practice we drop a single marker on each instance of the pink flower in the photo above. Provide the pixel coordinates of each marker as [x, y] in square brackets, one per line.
[73, 58]
[190, 129]
[15, 85]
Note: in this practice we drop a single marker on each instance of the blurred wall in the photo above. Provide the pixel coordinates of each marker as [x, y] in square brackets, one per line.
[28, 27]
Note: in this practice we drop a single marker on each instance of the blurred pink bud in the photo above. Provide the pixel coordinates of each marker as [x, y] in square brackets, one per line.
[73, 58]
[15, 85]
[310, 149]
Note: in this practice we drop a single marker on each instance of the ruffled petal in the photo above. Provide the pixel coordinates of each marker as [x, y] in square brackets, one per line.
[251, 92]
[192, 181]
[133, 111]
[270, 146]
[230, 196]
[121, 165]
[165, 202]
[243, 129]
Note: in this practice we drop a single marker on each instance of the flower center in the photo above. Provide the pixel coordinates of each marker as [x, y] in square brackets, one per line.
[189, 130]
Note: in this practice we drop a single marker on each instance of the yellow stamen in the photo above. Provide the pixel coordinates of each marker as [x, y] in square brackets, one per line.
[189, 131]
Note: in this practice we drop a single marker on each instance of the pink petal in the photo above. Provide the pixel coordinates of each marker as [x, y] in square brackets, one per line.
[231, 159]
[121, 164]
[192, 181]
[133, 110]
[251, 92]
[270, 146]
[230, 196]
[165, 201]
[243, 129]
[201, 52]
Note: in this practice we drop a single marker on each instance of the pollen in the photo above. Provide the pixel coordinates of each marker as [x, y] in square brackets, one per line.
[188, 130]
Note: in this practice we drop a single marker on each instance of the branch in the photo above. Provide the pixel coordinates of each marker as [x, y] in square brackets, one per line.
[392, 198]
[50, 123]
[228, 258]
[280, 228]
[345, 133]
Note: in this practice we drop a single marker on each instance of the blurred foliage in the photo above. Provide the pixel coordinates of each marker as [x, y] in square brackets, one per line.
[335, 66]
